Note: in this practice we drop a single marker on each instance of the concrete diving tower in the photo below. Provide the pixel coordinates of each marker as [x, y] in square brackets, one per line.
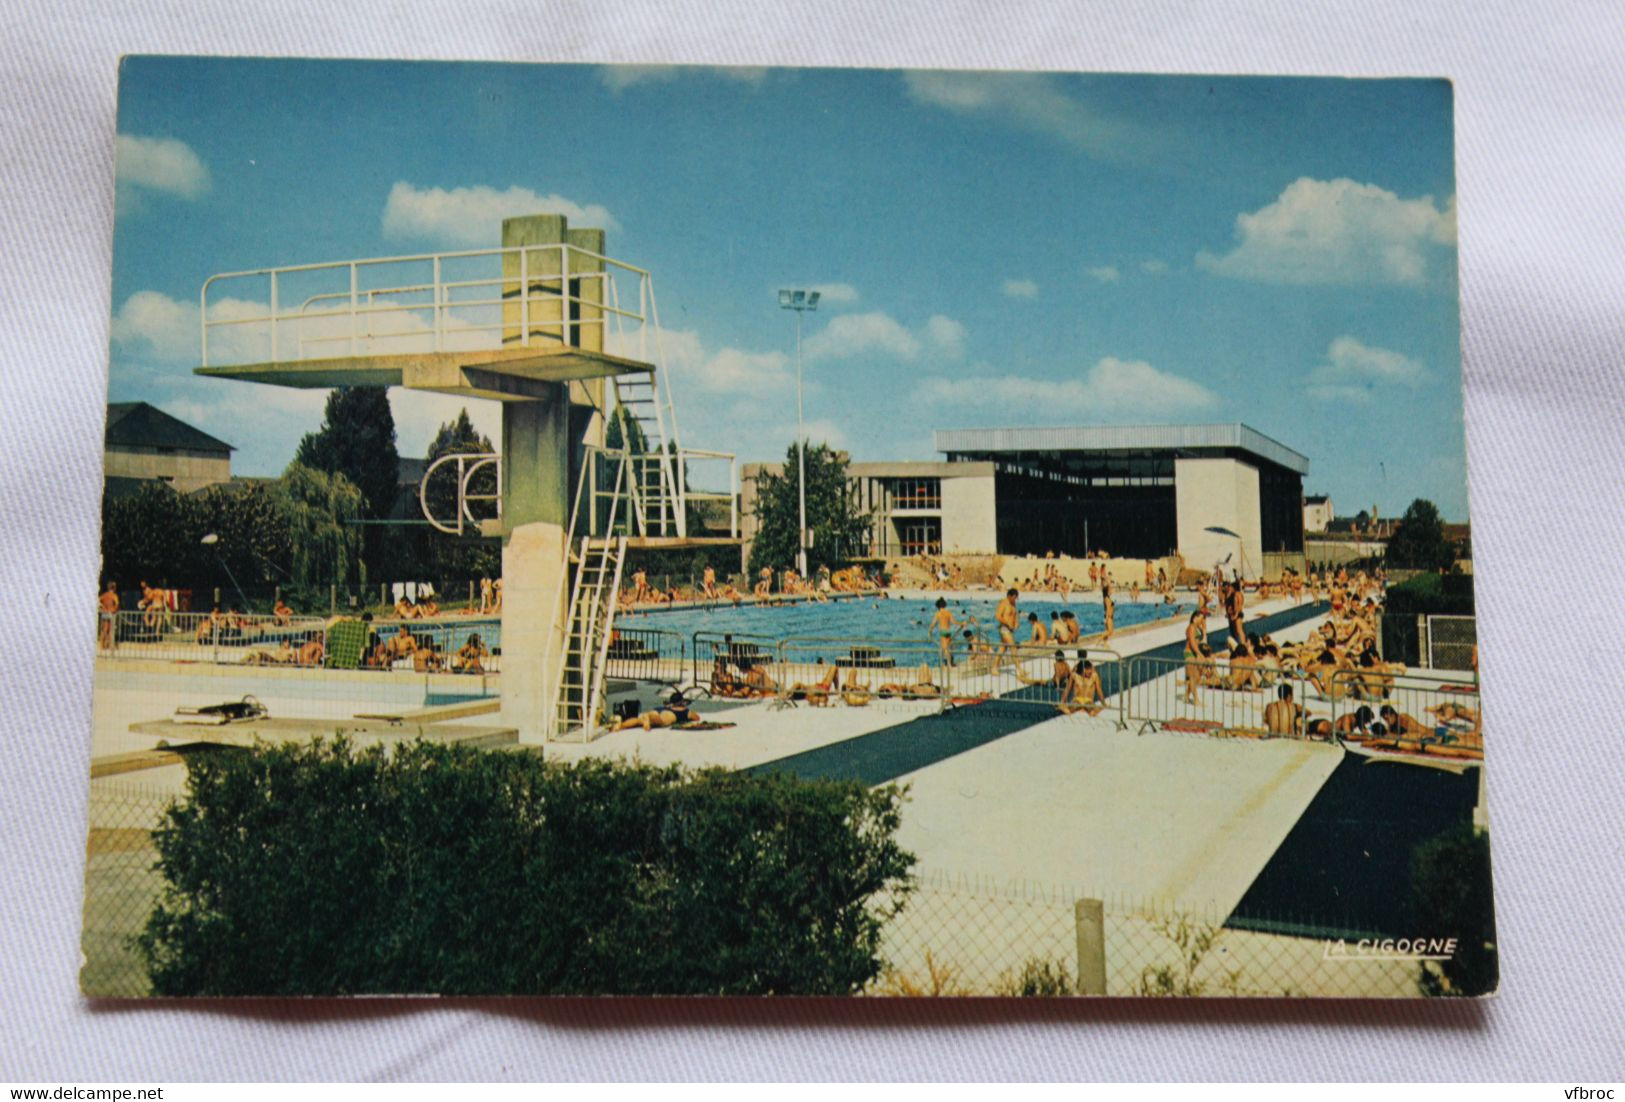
[568, 340]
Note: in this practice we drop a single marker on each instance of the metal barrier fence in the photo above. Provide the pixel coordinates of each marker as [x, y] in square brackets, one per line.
[1443, 715]
[201, 637]
[450, 646]
[251, 640]
[1448, 642]
[864, 671]
[959, 935]
[1033, 675]
[723, 661]
[1212, 697]
[646, 654]
[824, 670]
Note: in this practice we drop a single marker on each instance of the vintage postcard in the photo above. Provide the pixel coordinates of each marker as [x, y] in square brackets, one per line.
[665, 530]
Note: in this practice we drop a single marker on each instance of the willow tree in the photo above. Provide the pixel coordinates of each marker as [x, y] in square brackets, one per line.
[321, 510]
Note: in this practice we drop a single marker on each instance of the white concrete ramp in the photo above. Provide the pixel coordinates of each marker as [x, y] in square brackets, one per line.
[1158, 818]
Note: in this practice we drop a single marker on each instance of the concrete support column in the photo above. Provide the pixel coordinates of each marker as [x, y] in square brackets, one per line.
[541, 442]
[533, 561]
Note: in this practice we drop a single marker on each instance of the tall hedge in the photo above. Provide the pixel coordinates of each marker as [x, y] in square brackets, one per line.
[1453, 896]
[1429, 594]
[323, 869]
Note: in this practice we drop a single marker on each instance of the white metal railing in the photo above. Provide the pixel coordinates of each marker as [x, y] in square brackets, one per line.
[436, 302]
[650, 509]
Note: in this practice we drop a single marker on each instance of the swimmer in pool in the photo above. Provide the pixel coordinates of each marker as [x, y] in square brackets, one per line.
[942, 626]
[1008, 619]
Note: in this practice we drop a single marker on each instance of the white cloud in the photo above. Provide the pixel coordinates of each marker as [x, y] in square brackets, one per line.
[420, 413]
[151, 322]
[1106, 273]
[618, 77]
[159, 164]
[1020, 288]
[1112, 387]
[946, 335]
[823, 431]
[471, 217]
[690, 366]
[1353, 370]
[1153, 267]
[734, 369]
[1036, 103]
[859, 334]
[1337, 231]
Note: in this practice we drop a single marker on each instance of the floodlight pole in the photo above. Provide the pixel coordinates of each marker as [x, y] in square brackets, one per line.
[800, 302]
[212, 539]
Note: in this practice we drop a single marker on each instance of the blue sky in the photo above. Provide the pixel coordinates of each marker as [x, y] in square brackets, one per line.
[995, 249]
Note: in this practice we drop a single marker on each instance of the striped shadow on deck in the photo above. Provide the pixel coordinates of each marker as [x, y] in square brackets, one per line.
[907, 747]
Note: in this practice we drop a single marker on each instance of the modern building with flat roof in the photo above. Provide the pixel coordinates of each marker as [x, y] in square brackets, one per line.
[916, 508]
[1211, 493]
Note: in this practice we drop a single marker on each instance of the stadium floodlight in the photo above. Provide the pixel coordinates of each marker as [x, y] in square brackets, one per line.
[800, 301]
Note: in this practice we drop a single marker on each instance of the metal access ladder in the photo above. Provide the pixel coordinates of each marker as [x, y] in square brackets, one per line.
[590, 585]
[586, 636]
[655, 478]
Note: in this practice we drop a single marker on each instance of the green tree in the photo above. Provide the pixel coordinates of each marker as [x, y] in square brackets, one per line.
[253, 529]
[357, 440]
[840, 529]
[320, 509]
[1453, 897]
[156, 535]
[1419, 543]
[150, 534]
[623, 426]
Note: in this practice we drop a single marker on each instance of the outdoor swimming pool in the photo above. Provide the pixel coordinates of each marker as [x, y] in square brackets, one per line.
[896, 620]
[881, 621]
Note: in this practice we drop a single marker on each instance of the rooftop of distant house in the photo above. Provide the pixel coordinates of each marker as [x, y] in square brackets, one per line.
[143, 425]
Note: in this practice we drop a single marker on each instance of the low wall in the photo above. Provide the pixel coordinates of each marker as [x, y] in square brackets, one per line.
[1122, 572]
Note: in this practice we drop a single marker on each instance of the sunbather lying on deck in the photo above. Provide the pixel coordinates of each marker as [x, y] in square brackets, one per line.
[922, 687]
[816, 694]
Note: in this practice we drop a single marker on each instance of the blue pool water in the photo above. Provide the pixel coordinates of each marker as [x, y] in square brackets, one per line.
[868, 619]
[878, 620]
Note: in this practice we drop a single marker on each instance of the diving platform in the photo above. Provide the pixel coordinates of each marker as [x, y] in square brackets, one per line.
[503, 375]
[568, 339]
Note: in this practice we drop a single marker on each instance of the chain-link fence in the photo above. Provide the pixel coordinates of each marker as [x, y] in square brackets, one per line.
[955, 934]
[1448, 642]
[121, 886]
[959, 935]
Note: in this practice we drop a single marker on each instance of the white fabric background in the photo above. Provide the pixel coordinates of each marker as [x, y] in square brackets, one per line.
[1541, 141]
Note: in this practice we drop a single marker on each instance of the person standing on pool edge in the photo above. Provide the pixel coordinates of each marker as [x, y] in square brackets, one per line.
[1009, 619]
[1109, 608]
[942, 626]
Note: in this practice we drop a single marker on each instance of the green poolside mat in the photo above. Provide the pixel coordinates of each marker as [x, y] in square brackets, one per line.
[346, 640]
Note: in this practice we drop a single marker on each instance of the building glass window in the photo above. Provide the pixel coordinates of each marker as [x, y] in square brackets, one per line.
[921, 537]
[916, 493]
